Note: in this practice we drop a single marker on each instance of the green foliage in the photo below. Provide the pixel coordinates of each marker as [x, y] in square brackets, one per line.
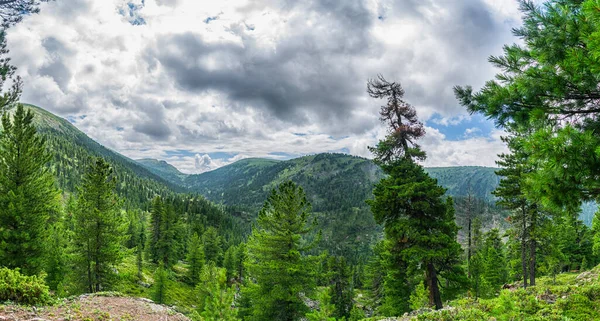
[99, 234]
[341, 289]
[28, 194]
[195, 259]
[546, 86]
[326, 309]
[277, 262]
[19, 288]
[419, 225]
[357, 314]
[57, 258]
[161, 284]
[166, 233]
[596, 234]
[419, 298]
[212, 243]
[217, 298]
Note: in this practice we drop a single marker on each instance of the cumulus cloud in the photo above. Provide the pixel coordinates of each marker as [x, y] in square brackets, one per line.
[246, 77]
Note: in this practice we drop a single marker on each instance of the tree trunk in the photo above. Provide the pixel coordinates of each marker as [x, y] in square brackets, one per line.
[435, 298]
[532, 249]
[524, 248]
[532, 246]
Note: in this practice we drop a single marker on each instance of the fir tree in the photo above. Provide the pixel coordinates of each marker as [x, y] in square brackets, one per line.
[277, 256]
[27, 193]
[99, 233]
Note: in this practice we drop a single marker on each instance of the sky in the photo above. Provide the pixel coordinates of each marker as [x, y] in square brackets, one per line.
[202, 84]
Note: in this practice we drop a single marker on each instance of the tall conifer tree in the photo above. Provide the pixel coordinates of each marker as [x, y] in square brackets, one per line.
[277, 256]
[99, 227]
[418, 222]
[28, 194]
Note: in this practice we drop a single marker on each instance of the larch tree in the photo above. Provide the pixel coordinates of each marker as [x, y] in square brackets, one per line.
[28, 193]
[99, 227]
[418, 221]
[278, 265]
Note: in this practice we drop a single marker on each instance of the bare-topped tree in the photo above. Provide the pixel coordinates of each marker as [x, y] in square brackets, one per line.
[12, 11]
[401, 117]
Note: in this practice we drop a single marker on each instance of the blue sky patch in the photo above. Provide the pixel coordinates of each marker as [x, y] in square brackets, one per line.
[462, 128]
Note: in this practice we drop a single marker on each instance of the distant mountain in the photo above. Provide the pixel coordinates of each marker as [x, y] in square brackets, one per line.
[163, 169]
[337, 186]
[73, 151]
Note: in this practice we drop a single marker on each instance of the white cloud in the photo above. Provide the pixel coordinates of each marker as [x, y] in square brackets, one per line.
[246, 82]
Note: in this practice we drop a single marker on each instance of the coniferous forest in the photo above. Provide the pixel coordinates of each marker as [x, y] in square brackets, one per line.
[328, 236]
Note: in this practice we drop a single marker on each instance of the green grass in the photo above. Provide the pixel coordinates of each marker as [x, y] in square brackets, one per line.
[566, 299]
[179, 294]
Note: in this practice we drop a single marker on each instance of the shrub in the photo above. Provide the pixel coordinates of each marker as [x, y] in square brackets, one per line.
[22, 289]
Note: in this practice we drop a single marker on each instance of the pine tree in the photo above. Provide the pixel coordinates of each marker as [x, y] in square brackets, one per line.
[596, 234]
[494, 260]
[277, 260]
[341, 290]
[218, 299]
[195, 259]
[156, 216]
[99, 233]
[230, 262]
[27, 193]
[418, 224]
[166, 232]
[56, 258]
[161, 284]
[241, 255]
[212, 243]
[419, 298]
[326, 309]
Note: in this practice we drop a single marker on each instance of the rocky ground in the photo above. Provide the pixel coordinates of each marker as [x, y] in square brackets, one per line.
[93, 308]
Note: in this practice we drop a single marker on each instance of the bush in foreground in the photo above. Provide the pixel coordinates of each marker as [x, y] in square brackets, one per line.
[22, 289]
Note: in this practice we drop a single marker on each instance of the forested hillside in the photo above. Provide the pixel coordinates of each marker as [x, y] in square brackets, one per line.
[73, 151]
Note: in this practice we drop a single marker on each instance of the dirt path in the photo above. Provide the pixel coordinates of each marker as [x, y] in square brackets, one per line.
[94, 308]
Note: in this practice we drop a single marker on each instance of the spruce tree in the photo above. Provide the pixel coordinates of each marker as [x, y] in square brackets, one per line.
[277, 262]
[99, 229]
[28, 194]
[418, 222]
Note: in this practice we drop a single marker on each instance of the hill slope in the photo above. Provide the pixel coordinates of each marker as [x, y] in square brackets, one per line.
[73, 151]
[337, 186]
[163, 169]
